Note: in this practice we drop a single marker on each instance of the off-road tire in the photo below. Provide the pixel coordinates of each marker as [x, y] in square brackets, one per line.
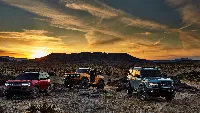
[84, 84]
[100, 85]
[142, 94]
[48, 90]
[8, 97]
[35, 93]
[169, 97]
[129, 89]
[68, 85]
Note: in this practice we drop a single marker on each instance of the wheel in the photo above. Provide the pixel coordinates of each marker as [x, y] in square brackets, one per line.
[84, 84]
[129, 89]
[100, 85]
[169, 97]
[9, 96]
[35, 93]
[142, 94]
[68, 85]
[48, 90]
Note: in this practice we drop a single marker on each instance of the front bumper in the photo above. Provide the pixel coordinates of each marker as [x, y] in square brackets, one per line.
[70, 81]
[17, 90]
[160, 92]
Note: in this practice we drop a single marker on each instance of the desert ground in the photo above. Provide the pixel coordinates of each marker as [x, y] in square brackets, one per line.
[112, 100]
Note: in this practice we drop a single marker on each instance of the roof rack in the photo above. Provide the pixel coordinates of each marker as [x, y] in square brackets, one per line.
[153, 68]
[137, 67]
[30, 72]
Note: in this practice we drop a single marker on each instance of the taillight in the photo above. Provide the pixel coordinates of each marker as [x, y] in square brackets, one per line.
[49, 80]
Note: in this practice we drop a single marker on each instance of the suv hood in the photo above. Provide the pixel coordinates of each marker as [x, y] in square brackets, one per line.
[157, 79]
[19, 81]
[71, 73]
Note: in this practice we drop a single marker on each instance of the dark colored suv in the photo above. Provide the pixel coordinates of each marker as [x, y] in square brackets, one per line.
[28, 83]
[148, 83]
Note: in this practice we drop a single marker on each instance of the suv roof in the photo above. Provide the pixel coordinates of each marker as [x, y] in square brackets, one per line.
[83, 68]
[145, 68]
[31, 72]
[41, 74]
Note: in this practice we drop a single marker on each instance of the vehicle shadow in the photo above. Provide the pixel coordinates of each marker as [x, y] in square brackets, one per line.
[153, 99]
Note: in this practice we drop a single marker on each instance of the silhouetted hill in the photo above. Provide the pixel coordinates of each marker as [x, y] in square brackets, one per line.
[3, 59]
[8, 58]
[86, 57]
[181, 60]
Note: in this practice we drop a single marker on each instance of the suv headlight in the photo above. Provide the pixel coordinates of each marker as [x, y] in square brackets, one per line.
[7, 84]
[153, 84]
[26, 84]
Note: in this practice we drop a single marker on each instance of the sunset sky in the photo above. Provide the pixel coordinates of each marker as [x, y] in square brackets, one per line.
[150, 29]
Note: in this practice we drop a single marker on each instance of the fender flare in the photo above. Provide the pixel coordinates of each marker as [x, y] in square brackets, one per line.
[101, 80]
[84, 78]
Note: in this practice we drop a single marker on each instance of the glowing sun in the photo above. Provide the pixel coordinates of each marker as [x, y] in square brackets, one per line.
[39, 53]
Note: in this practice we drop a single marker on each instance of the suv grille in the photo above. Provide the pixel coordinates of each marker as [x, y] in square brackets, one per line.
[73, 76]
[166, 83]
[15, 84]
[15, 87]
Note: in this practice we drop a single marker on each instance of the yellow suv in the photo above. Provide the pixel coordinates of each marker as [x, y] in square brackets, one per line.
[84, 78]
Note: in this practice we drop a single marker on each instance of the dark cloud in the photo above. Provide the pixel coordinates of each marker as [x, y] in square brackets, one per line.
[188, 9]
[150, 27]
[110, 41]
[10, 53]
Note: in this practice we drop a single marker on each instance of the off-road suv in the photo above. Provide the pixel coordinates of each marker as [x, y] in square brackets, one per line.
[148, 83]
[84, 77]
[28, 84]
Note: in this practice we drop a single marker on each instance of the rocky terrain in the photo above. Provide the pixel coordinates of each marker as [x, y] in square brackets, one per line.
[112, 100]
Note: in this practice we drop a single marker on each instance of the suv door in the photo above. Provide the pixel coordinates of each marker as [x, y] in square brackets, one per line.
[137, 80]
[43, 82]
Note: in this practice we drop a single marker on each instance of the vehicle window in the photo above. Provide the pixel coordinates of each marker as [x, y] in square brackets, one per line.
[150, 73]
[82, 70]
[28, 76]
[43, 76]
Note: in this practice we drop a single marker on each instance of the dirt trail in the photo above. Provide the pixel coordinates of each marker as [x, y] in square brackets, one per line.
[90, 101]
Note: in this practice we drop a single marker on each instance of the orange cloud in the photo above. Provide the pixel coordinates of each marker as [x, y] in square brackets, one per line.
[5, 52]
[99, 10]
[98, 33]
[142, 23]
[146, 33]
[29, 40]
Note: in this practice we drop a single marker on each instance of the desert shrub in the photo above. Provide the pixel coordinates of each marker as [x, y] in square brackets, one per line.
[44, 108]
[2, 109]
[191, 76]
[4, 78]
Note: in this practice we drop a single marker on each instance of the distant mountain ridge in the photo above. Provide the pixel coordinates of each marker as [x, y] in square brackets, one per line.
[91, 57]
[8, 58]
[173, 61]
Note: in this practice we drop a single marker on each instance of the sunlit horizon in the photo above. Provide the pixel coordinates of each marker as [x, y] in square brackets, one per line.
[107, 26]
[38, 53]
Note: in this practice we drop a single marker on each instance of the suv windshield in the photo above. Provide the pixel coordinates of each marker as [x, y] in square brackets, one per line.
[82, 70]
[150, 73]
[28, 76]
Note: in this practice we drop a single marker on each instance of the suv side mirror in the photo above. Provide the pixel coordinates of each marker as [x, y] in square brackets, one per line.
[42, 78]
[136, 75]
[165, 75]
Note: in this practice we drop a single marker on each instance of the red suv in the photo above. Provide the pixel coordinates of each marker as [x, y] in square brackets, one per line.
[28, 83]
